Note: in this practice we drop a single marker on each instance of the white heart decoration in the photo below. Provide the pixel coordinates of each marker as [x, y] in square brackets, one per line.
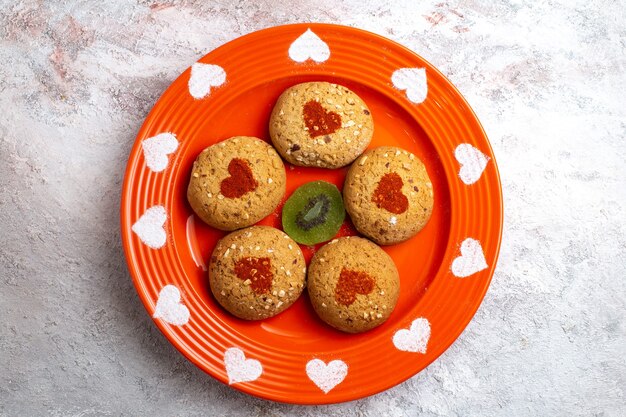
[169, 308]
[157, 148]
[309, 46]
[472, 161]
[150, 228]
[413, 80]
[326, 377]
[203, 77]
[472, 259]
[240, 369]
[414, 339]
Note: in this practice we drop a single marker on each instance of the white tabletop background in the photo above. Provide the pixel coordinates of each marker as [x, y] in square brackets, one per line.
[546, 79]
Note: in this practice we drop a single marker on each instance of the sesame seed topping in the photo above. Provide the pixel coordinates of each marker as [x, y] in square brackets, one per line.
[288, 273]
[290, 246]
[209, 195]
[220, 197]
[196, 175]
[382, 292]
[227, 252]
[363, 160]
[280, 303]
[270, 250]
[247, 282]
[269, 180]
[393, 220]
[223, 292]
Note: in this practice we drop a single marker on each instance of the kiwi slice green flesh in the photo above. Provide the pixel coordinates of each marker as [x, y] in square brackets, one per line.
[314, 213]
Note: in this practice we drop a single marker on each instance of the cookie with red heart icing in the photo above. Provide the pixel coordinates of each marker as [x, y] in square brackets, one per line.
[256, 272]
[236, 183]
[353, 284]
[388, 195]
[320, 124]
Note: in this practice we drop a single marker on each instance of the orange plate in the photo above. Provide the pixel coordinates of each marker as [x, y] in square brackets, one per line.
[258, 68]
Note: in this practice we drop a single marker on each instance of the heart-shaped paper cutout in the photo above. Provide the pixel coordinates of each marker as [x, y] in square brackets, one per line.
[413, 80]
[326, 377]
[150, 228]
[472, 259]
[241, 180]
[414, 339]
[257, 271]
[319, 121]
[157, 148]
[203, 77]
[240, 369]
[350, 284]
[472, 161]
[169, 308]
[309, 46]
[388, 194]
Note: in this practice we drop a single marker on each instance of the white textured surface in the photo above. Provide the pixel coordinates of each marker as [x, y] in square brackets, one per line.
[545, 78]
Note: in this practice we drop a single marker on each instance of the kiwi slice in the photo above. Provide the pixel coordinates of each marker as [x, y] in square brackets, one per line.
[314, 213]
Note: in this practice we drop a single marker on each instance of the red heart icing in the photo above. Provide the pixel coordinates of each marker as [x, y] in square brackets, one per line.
[388, 194]
[319, 121]
[241, 180]
[258, 271]
[352, 283]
